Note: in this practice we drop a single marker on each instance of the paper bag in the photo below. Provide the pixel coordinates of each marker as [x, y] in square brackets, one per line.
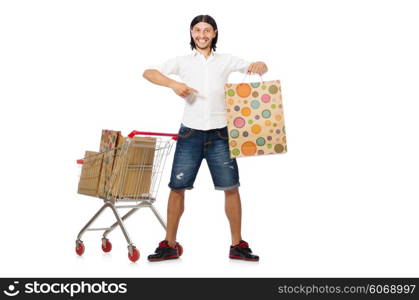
[90, 173]
[255, 118]
[108, 143]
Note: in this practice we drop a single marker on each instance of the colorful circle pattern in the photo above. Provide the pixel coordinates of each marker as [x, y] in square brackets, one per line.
[255, 113]
[239, 122]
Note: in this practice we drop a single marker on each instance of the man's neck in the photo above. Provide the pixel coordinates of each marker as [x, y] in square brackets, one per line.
[205, 52]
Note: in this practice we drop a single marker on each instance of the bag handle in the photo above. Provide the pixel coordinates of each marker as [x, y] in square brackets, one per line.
[248, 74]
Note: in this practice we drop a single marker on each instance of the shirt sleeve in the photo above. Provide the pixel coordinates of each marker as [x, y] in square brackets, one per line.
[169, 67]
[238, 64]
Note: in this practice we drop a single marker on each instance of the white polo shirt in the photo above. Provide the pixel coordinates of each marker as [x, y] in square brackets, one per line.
[205, 110]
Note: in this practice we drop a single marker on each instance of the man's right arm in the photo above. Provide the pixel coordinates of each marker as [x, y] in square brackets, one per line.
[158, 78]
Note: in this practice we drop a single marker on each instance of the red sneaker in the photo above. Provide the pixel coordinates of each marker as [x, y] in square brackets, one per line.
[164, 252]
[242, 251]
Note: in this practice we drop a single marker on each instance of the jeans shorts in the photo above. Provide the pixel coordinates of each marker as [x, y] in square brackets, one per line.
[192, 146]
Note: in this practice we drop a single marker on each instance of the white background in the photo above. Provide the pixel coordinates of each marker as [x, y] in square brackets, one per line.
[342, 202]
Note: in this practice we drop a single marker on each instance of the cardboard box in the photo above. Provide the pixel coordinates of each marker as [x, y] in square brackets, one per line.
[90, 173]
[109, 142]
[132, 174]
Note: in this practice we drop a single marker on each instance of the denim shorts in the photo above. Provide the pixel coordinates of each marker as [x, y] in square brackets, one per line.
[192, 146]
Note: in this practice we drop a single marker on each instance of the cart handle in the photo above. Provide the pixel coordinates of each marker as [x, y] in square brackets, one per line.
[135, 132]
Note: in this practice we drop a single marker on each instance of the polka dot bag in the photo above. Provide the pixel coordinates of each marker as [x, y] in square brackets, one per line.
[255, 118]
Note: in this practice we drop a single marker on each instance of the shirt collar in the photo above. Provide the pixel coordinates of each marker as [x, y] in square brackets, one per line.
[195, 53]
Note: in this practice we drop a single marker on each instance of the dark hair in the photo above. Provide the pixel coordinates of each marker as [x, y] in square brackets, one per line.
[207, 19]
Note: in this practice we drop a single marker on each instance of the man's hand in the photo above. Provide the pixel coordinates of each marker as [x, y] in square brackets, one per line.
[258, 67]
[182, 89]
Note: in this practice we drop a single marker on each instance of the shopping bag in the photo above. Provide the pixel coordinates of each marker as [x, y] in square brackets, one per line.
[255, 118]
[109, 141]
[90, 173]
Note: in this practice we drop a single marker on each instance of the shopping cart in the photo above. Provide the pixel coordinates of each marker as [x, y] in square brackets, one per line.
[134, 178]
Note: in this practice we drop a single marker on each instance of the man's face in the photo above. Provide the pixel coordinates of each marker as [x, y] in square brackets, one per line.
[203, 34]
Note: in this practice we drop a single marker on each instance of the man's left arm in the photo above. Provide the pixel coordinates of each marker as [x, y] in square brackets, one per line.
[244, 66]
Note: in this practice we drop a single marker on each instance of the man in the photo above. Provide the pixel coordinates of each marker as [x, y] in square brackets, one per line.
[203, 132]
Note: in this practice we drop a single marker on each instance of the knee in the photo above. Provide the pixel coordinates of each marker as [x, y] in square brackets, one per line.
[176, 200]
[234, 191]
[177, 195]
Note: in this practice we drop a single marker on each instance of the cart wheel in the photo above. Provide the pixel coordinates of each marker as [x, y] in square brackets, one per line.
[179, 248]
[135, 255]
[106, 245]
[79, 248]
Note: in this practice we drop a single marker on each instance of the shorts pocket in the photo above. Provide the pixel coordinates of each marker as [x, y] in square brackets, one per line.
[185, 132]
[223, 133]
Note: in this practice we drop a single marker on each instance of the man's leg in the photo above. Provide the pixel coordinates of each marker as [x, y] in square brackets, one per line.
[239, 249]
[234, 214]
[175, 207]
[186, 162]
[225, 175]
